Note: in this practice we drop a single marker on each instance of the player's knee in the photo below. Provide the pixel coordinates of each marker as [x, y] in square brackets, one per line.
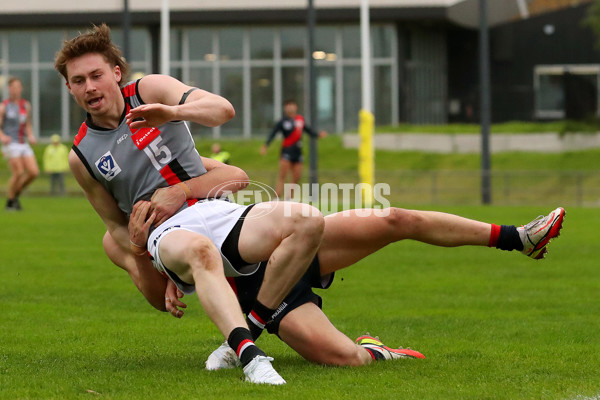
[198, 254]
[308, 222]
[402, 220]
[33, 173]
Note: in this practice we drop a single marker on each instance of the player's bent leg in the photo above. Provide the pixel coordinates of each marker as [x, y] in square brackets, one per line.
[32, 171]
[288, 235]
[195, 260]
[16, 170]
[309, 332]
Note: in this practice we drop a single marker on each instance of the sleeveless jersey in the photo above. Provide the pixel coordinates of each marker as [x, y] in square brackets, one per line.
[15, 119]
[133, 164]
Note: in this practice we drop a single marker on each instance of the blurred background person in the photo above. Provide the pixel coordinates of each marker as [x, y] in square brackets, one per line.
[292, 125]
[218, 154]
[56, 163]
[16, 133]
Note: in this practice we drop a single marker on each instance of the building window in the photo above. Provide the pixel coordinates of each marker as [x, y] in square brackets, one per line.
[257, 67]
[566, 91]
[29, 55]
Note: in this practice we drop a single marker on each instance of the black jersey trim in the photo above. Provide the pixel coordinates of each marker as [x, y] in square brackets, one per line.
[137, 91]
[83, 160]
[186, 94]
[179, 171]
[90, 123]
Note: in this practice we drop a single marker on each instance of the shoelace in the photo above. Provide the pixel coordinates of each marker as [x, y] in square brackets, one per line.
[534, 223]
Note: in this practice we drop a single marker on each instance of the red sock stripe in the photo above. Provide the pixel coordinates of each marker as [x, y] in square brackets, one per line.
[242, 346]
[256, 317]
[494, 235]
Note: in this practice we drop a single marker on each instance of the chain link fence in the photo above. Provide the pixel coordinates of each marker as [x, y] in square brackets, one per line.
[441, 187]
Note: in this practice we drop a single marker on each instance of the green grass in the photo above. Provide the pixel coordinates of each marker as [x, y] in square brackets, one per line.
[494, 325]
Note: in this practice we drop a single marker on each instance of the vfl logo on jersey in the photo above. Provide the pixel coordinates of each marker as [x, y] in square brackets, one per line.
[142, 137]
[107, 166]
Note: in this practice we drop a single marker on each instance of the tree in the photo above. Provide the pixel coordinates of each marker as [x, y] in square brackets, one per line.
[592, 20]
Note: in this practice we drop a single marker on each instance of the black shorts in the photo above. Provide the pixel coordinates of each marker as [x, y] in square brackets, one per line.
[246, 287]
[292, 153]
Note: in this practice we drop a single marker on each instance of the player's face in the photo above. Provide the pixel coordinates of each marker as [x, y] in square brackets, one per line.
[291, 109]
[94, 84]
[15, 89]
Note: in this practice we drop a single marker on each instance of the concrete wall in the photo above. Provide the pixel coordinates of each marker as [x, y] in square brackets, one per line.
[471, 143]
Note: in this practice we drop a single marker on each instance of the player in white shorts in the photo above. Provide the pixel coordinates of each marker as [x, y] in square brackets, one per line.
[135, 146]
[16, 133]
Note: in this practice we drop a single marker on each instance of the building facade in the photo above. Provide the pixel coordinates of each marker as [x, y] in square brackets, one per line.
[425, 66]
[255, 56]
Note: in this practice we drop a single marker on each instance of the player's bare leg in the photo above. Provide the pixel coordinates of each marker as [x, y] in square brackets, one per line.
[296, 173]
[284, 168]
[287, 235]
[17, 168]
[195, 259]
[309, 332]
[31, 172]
[349, 237]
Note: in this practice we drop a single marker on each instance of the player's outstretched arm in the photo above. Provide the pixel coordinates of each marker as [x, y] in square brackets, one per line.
[162, 95]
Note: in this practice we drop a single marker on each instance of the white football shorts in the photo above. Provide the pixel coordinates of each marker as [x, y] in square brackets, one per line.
[211, 218]
[14, 150]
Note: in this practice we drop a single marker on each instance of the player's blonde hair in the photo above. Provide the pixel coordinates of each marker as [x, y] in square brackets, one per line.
[95, 40]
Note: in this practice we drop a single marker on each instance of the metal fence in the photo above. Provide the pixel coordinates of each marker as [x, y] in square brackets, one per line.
[442, 187]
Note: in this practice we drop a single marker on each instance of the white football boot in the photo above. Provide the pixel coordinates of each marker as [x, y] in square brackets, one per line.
[223, 358]
[537, 234]
[260, 370]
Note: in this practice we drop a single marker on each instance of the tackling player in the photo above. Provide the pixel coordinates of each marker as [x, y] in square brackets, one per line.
[135, 145]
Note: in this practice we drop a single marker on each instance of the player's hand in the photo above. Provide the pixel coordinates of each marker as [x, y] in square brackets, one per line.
[139, 225]
[5, 139]
[32, 140]
[322, 134]
[263, 150]
[165, 202]
[172, 296]
[150, 115]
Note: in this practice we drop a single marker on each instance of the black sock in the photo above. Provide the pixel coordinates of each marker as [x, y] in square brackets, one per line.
[258, 318]
[240, 340]
[9, 202]
[509, 238]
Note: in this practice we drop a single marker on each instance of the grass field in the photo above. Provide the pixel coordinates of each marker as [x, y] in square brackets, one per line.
[494, 325]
